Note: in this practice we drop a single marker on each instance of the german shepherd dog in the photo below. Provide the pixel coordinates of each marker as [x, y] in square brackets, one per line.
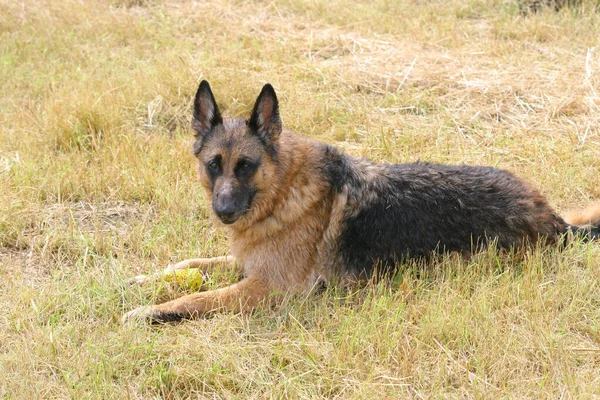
[297, 210]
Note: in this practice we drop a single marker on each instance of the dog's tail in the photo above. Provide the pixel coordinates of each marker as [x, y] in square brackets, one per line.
[586, 221]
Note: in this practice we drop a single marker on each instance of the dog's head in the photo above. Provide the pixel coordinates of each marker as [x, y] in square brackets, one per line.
[236, 157]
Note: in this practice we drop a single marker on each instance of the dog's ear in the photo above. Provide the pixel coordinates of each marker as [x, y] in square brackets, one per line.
[265, 120]
[206, 111]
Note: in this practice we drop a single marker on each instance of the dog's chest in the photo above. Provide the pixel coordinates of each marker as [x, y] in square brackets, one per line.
[286, 260]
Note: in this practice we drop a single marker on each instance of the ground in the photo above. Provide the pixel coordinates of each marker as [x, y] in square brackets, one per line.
[97, 184]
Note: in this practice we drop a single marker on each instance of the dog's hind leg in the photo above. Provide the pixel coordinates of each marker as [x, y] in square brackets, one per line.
[206, 264]
[242, 296]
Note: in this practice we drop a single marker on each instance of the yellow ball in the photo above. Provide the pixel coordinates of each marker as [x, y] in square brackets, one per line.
[186, 278]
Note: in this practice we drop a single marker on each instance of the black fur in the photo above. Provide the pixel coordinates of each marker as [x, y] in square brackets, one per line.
[158, 318]
[335, 169]
[235, 200]
[414, 210]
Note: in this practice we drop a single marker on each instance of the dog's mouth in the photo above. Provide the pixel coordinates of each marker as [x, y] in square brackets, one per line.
[228, 220]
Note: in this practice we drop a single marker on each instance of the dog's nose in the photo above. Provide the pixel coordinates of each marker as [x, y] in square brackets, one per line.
[224, 209]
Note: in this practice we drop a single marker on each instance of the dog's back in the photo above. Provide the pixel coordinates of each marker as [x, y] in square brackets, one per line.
[412, 210]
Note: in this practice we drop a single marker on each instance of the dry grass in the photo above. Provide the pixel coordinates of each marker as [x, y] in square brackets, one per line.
[97, 185]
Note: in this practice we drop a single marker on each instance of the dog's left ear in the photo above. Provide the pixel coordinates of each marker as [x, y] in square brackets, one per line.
[265, 120]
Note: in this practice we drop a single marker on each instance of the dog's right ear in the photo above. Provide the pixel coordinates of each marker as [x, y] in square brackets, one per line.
[206, 112]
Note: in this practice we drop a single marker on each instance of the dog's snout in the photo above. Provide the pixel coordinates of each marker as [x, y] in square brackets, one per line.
[224, 207]
[224, 203]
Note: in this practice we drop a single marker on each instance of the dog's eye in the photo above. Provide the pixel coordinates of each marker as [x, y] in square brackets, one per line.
[244, 165]
[213, 164]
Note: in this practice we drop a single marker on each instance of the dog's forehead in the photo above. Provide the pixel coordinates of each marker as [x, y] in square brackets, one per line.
[234, 125]
[232, 141]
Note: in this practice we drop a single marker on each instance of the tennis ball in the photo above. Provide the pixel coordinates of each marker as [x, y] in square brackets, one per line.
[186, 278]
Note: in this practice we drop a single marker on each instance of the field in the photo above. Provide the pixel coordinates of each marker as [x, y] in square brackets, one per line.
[98, 184]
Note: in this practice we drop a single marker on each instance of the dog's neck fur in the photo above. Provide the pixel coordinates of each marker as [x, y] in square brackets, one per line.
[295, 214]
[288, 196]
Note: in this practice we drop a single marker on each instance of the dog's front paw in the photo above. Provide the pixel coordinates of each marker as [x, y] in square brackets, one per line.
[139, 279]
[143, 279]
[150, 315]
[140, 314]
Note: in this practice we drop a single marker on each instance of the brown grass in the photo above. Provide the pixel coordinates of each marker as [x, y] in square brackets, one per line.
[97, 185]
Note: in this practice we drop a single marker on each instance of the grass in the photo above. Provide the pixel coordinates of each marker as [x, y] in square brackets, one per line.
[97, 184]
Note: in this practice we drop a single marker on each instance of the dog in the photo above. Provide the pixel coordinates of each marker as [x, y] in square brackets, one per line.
[297, 210]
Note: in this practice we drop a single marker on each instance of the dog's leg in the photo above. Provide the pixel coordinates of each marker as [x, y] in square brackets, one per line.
[206, 264]
[242, 296]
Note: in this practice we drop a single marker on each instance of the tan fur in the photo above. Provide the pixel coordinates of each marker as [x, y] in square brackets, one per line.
[276, 239]
[327, 248]
[277, 243]
[587, 216]
[242, 296]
